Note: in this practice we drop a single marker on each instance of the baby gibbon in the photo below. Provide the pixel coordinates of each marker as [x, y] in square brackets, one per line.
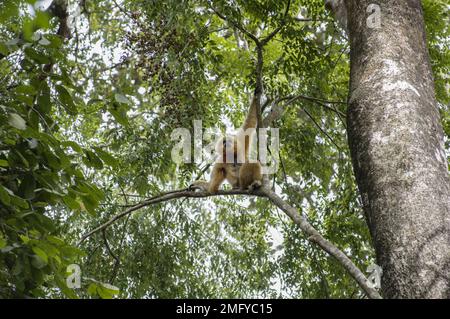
[233, 162]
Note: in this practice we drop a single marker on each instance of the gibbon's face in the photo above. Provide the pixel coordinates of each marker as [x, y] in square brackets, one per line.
[227, 145]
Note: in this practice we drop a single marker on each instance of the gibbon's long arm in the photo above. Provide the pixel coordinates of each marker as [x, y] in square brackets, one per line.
[250, 122]
[252, 116]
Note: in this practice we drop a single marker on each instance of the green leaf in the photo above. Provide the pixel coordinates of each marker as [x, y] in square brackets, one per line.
[71, 203]
[53, 161]
[43, 102]
[55, 41]
[15, 120]
[92, 160]
[103, 290]
[77, 148]
[4, 51]
[27, 187]
[42, 20]
[24, 238]
[120, 114]
[3, 242]
[89, 204]
[18, 267]
[120, 98]
[106, 157]
[38, 262]
[107, 291]
[4, 196]
[38, 251]
[66, 99]
[92, 289]
[25, 89]
[17, 201]
[56, 240]
[9, 10]
[37, 57]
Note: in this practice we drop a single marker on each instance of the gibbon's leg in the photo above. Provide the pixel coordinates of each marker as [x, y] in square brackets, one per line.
[250, 176]
[255, 185]
[232, 175]
[217, 178]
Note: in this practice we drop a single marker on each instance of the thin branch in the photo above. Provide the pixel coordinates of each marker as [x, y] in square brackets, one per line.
[283, 167]
[120, 250]
[321, 129]
[117, 263]
[235, 24]
[310, 20]
[125, 12]
[323, 103]
[203, 171]
[108, 248]
[278, 29]
[313, 235]
[277, 111]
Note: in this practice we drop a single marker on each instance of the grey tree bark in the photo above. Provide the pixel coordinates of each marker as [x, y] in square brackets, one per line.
[396, 142]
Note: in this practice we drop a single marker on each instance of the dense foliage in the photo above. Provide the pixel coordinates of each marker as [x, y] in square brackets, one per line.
[88, 102]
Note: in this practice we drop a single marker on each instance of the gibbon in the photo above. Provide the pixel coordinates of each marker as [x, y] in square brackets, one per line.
[232, 163]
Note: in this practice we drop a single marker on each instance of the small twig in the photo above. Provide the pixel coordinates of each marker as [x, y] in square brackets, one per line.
[203, 171]
[277, 110]
[321, 129]
[283, 168]
[278, 29]
[235, 24]
[108, 248]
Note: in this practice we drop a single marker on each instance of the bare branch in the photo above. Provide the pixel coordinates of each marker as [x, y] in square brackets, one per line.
[315, 237]
[277, 110]
[321, 129]
[160, 199]
[312, 234]
[108, 248]
[310, 20]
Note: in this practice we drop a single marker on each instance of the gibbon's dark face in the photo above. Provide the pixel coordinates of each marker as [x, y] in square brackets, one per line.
[227, 145]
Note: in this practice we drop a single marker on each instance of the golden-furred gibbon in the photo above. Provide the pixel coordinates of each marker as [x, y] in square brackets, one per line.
[233, 163]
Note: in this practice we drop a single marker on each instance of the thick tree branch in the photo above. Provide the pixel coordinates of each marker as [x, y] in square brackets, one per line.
[312, 234]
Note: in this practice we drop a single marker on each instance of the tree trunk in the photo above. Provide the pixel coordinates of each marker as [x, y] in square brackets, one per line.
[397, 148]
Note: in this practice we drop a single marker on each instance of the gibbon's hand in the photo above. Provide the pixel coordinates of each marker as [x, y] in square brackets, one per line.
[199, 185]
